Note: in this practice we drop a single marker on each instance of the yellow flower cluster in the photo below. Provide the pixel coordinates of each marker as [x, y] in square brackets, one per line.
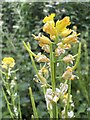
[62, 37]
[56, 30]
[8, 62]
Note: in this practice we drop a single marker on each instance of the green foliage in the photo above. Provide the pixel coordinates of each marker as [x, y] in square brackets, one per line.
[23, 19]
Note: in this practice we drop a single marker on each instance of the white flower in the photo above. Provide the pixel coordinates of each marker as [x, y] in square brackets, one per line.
[51, 97]
[13, 83]
[63, 88]
[70, 114]
[41, 58]
[72, 104]
[68, 59]
[15, 111]
[59, 51]
[46, 48]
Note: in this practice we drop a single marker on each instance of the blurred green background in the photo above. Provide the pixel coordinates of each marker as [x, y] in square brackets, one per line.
[20, 20]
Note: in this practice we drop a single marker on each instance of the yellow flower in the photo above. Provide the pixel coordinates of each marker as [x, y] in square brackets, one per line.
[66, 32]
[62, 24]
[68, 58]
[57, 29]
[75, 28]
[49, 28]
[41, 58]
[42, 39]
[49, 18]
[66, 96]
[8, 62]
[67, 46]
[71, 38]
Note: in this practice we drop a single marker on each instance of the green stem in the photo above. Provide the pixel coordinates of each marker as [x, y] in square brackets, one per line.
[52, 67]
[33, 63]
[78, 57]
[53, 73]
[33, 103]
[9, 109]
[28, 49]
[68, 101]
[19, 109]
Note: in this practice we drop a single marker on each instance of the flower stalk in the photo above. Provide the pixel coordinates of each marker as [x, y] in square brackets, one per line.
[33, 103]
[10, 90]
[56, 45]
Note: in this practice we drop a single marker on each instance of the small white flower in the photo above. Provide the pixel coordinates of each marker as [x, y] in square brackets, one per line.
[41, 58]
[57, 64]
[15, 111]
[63, 88]
[68, 59]
[51, 97]
[72, 104]
[15, 94]
[70, 114]
[13, 83]
[16, 26]
[59, 51]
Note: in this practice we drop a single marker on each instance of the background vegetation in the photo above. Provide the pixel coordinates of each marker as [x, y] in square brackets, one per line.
[20, 20]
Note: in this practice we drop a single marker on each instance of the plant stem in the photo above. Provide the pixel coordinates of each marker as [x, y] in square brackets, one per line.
[69, 91]
[52, 68]
[33, 62]
[19, 108]
[9, 109]
[33, 104]
[78, 57]
[53, 73]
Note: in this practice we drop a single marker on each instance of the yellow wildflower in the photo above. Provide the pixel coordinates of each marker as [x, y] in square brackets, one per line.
[67, 46]
[66, 96]
[8, 62]
[75, 28]
[49, 18]
[59, 28]
[62, 24]
[49, 28]
[66, 32]
[41, 58]
[71, 38]
[42, 39]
